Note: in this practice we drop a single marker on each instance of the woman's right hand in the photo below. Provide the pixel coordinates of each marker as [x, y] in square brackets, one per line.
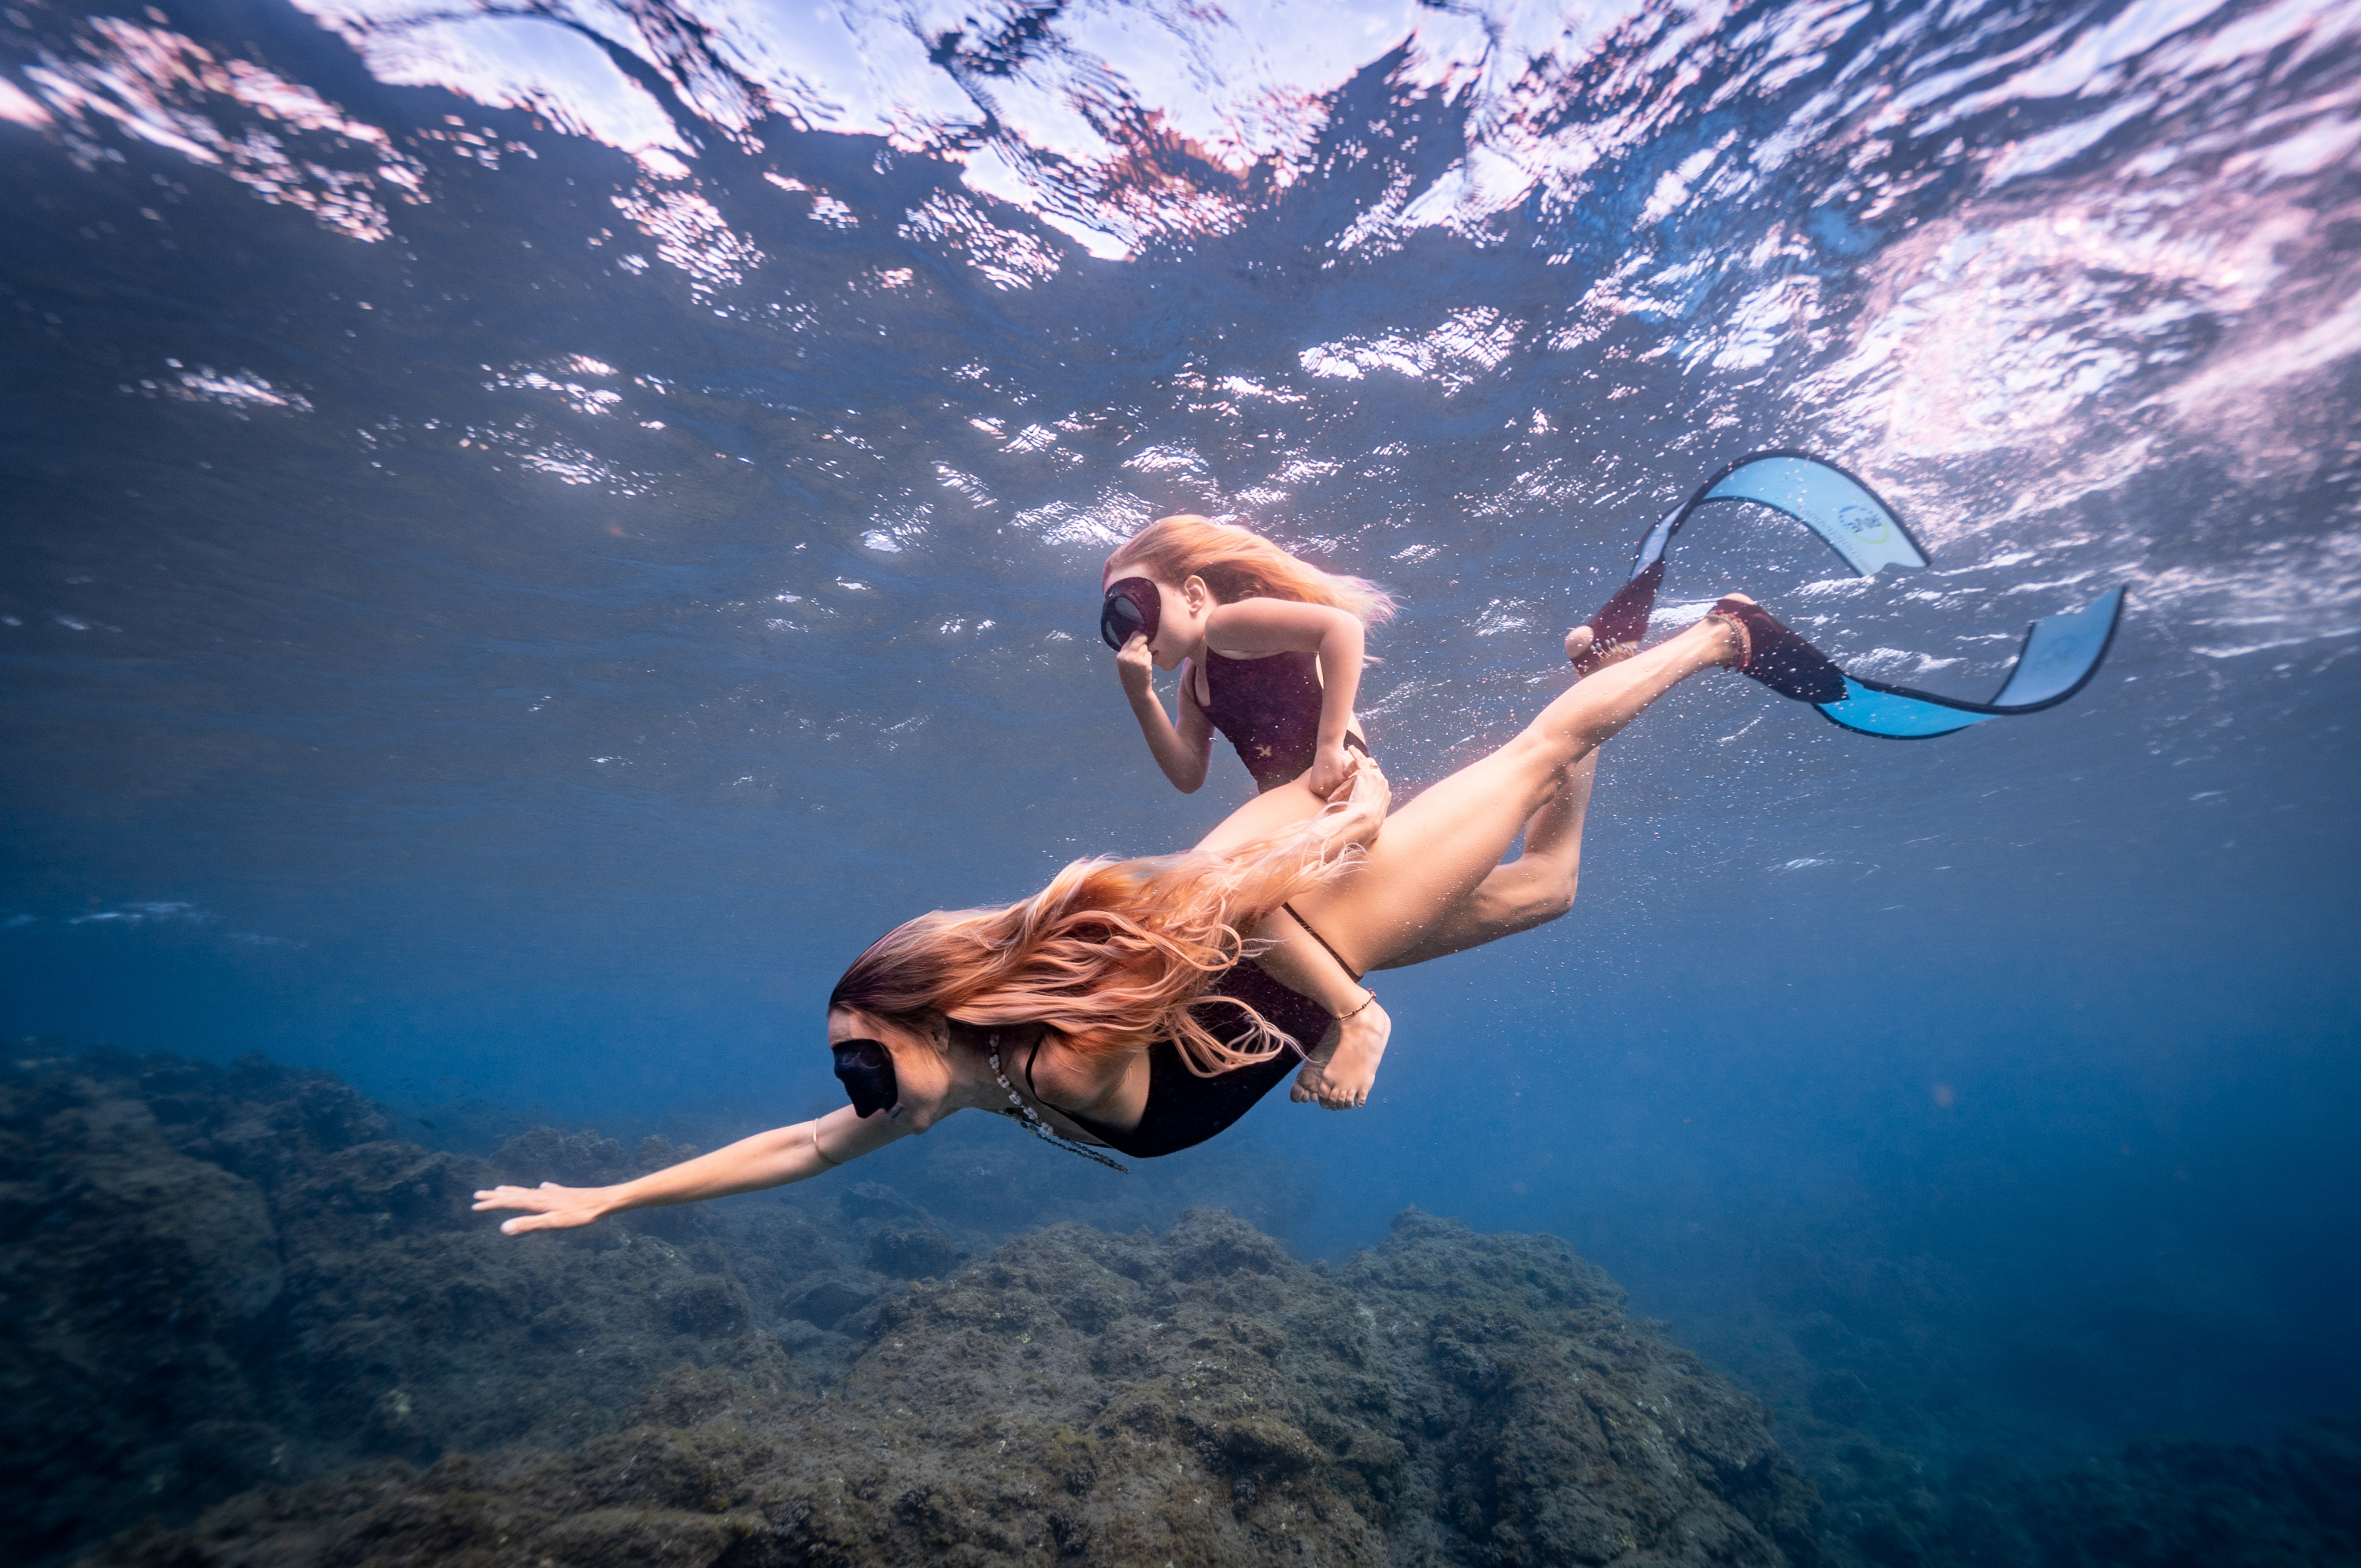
[1134, 666]
[547, 1207]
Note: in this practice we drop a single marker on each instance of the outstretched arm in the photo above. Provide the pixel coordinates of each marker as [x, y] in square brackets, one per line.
[1284, 626]
[1182, 752]
[767, 1159]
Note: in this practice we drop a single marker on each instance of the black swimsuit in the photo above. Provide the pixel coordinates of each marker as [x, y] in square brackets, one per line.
[1183, 1108]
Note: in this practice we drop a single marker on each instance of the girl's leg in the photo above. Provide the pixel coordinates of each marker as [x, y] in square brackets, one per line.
[1265, 815]
[1535, 889]
[1437, 850]
[1532, 890]
[1362, 1028]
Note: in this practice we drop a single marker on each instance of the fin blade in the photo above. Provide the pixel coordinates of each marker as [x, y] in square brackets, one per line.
[2062, 652]
[1896, 715]
[1842, 510]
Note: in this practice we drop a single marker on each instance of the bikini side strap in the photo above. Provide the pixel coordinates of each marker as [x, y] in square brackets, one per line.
[1317, 936]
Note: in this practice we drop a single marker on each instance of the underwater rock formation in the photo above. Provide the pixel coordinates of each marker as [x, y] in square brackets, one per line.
[232, 1305]
[1196, 1397]
[221, 1278]
[212, 1277]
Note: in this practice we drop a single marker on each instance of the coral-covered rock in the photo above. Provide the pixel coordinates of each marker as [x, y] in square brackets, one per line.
[230, 1286]
[224, 1276]
[132, 1276]
[215, 1276]
[1194, 1398]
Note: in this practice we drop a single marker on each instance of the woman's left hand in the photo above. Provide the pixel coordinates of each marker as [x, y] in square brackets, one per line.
[548, 1207]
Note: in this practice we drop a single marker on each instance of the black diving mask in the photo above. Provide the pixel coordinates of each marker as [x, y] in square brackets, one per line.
[865, 1068]
[1132, 605]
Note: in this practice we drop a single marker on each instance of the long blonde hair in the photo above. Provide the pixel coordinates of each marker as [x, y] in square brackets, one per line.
[1111, 954]
[1237, 562]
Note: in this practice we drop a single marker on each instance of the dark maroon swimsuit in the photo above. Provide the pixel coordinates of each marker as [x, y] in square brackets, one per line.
[1270, 708]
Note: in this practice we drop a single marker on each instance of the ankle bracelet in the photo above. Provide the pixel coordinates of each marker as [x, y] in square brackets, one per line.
[1372, 996]
[1744, 639]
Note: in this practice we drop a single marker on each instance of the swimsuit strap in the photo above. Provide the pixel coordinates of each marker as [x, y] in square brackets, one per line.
[1030, 1119]
[1039, 1099]
[1317, 936]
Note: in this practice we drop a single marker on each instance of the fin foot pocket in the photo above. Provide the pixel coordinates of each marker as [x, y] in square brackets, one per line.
[1623, 621]
[1779, 657]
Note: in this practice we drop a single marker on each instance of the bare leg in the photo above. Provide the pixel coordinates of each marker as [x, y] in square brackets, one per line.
[1437, 850]
[1265, 814]
[1532, 890]
[1293, 802]
[1538, 886]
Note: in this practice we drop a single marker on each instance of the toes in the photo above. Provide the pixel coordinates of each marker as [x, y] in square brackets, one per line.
[1309, 1084]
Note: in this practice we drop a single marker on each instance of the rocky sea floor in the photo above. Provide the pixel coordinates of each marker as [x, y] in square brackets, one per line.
[245, 1323]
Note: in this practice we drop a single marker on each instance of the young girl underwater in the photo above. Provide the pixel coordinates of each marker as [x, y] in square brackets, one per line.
[1269, 651]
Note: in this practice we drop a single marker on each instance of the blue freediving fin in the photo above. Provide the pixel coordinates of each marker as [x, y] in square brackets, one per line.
[2061, 652]
[1845, 512]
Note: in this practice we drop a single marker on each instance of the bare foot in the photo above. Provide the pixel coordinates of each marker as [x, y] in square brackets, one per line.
[1341, 1073]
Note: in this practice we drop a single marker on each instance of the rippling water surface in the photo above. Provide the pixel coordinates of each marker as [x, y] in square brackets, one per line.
[535, 531]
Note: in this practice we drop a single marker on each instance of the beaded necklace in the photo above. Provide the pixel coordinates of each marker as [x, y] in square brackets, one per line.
[1024, 1116]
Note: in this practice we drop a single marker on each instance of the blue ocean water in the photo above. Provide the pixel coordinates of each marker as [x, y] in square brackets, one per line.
[534, 534]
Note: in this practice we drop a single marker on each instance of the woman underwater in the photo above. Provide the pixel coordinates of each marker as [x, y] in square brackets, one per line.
[1125, 997]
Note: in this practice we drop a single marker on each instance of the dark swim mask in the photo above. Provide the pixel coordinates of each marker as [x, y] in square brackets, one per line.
[1132, 605]
[865, 1068]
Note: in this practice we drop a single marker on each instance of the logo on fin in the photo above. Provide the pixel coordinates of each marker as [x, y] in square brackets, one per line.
[1865, 523]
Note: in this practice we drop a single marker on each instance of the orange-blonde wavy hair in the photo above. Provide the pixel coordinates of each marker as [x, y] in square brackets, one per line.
[1237, 562]
[1111, 954]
